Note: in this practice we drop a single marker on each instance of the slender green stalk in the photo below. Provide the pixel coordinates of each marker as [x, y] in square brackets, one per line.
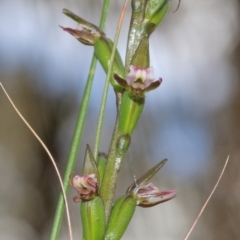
[116, 156]
[106, 86]
[111, 174]
[77, 136]
[73, 153]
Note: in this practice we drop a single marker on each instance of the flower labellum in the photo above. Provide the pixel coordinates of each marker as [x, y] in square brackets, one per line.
[86, 186]
[138, 81]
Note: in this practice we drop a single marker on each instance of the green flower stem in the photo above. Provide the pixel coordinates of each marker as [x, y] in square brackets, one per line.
[73, 152]
[146, 15]
[106, 86]
[77, 136]
[118, 149]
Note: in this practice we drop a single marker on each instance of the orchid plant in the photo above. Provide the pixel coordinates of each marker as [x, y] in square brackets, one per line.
[102, 216]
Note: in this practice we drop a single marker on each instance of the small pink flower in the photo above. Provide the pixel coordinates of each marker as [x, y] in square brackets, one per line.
[86, 186]
[149, 195]
[140, 78]
[145, 193]
[83, 35]
[138, 81]
[86, 32]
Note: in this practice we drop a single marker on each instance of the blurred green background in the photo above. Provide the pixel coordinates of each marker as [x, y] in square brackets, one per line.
[193, 119]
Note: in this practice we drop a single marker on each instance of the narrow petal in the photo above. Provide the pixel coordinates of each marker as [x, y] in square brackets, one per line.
[131, 76]
[80, 34]
[153, 85]
[122, 82]
[142, 181]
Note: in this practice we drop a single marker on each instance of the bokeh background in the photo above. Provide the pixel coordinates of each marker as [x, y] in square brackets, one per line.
[193, 119]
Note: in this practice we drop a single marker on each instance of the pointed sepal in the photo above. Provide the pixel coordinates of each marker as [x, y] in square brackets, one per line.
[145, 193]
[86, 32]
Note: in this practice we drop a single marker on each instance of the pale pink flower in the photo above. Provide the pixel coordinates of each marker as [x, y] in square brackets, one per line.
[149, 195]
[86, 186]
[140, 78]
[138, 81]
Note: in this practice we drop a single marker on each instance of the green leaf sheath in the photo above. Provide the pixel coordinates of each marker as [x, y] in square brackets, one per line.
[93, 219]
[121, 215]
[103, 50]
